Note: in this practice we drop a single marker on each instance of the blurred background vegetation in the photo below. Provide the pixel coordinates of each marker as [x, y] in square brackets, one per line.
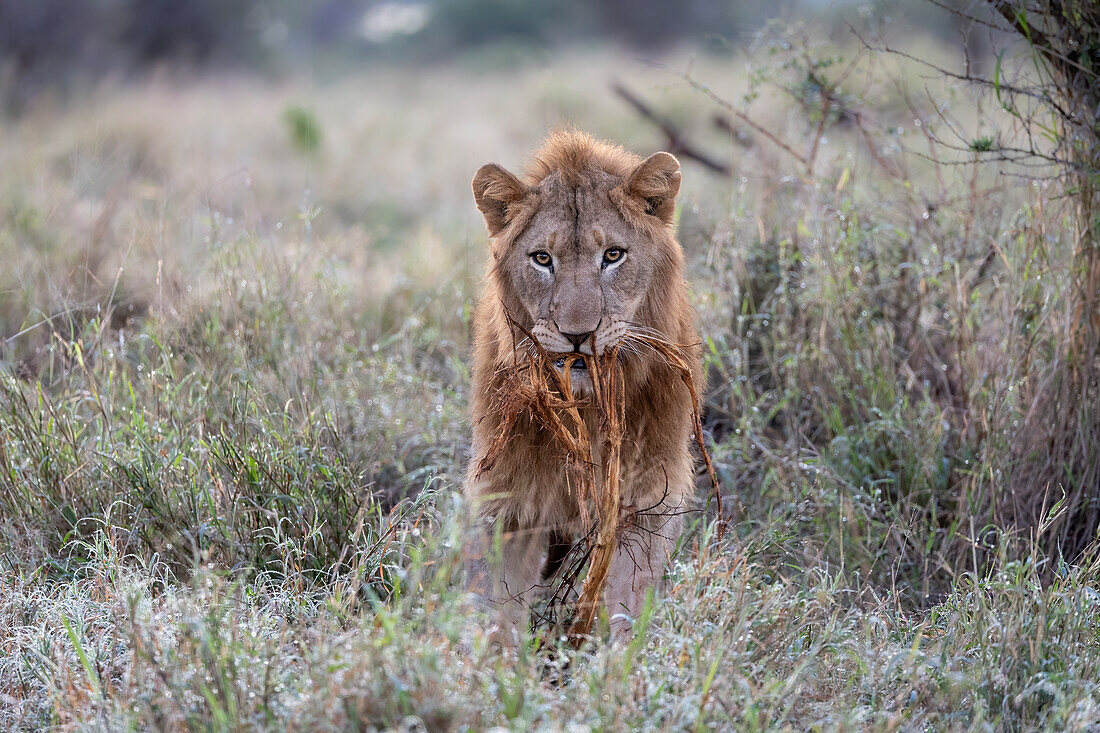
[238, 256]
[54, 45]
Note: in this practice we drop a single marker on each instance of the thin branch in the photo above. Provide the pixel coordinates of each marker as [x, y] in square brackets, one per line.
[740, 137]
[970, 79]
[1037, 38]
[699, 86]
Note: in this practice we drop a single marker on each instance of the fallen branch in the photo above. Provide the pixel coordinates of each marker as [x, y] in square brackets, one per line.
[729, 108]
[676, 143]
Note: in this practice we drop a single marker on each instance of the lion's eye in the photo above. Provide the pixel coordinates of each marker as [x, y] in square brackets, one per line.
[542, 259]
[613, 254]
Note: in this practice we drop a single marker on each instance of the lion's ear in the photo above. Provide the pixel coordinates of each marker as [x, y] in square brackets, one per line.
[495, 189]
[655, 182]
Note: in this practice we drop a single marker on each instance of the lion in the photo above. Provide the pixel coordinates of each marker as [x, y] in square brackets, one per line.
[583, 255]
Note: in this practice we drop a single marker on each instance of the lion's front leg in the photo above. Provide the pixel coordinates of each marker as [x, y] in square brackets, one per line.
[506, 573]
[648, 538]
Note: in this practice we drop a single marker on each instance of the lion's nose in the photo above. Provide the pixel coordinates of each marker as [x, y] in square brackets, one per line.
[577, 339]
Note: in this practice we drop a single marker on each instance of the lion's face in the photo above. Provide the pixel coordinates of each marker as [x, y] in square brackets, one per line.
[580, 265]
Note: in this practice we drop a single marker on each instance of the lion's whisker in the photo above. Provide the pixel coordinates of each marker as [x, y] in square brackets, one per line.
[638, 344]
[662, 346]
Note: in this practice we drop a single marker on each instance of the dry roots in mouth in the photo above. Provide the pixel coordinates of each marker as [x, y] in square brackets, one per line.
[539, 387]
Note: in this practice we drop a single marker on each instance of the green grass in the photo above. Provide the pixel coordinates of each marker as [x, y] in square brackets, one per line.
[233, 420]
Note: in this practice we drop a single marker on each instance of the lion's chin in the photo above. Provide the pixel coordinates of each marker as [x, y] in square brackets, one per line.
[581, 384]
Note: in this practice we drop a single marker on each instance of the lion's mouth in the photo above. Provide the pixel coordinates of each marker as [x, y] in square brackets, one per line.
[578, 364]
